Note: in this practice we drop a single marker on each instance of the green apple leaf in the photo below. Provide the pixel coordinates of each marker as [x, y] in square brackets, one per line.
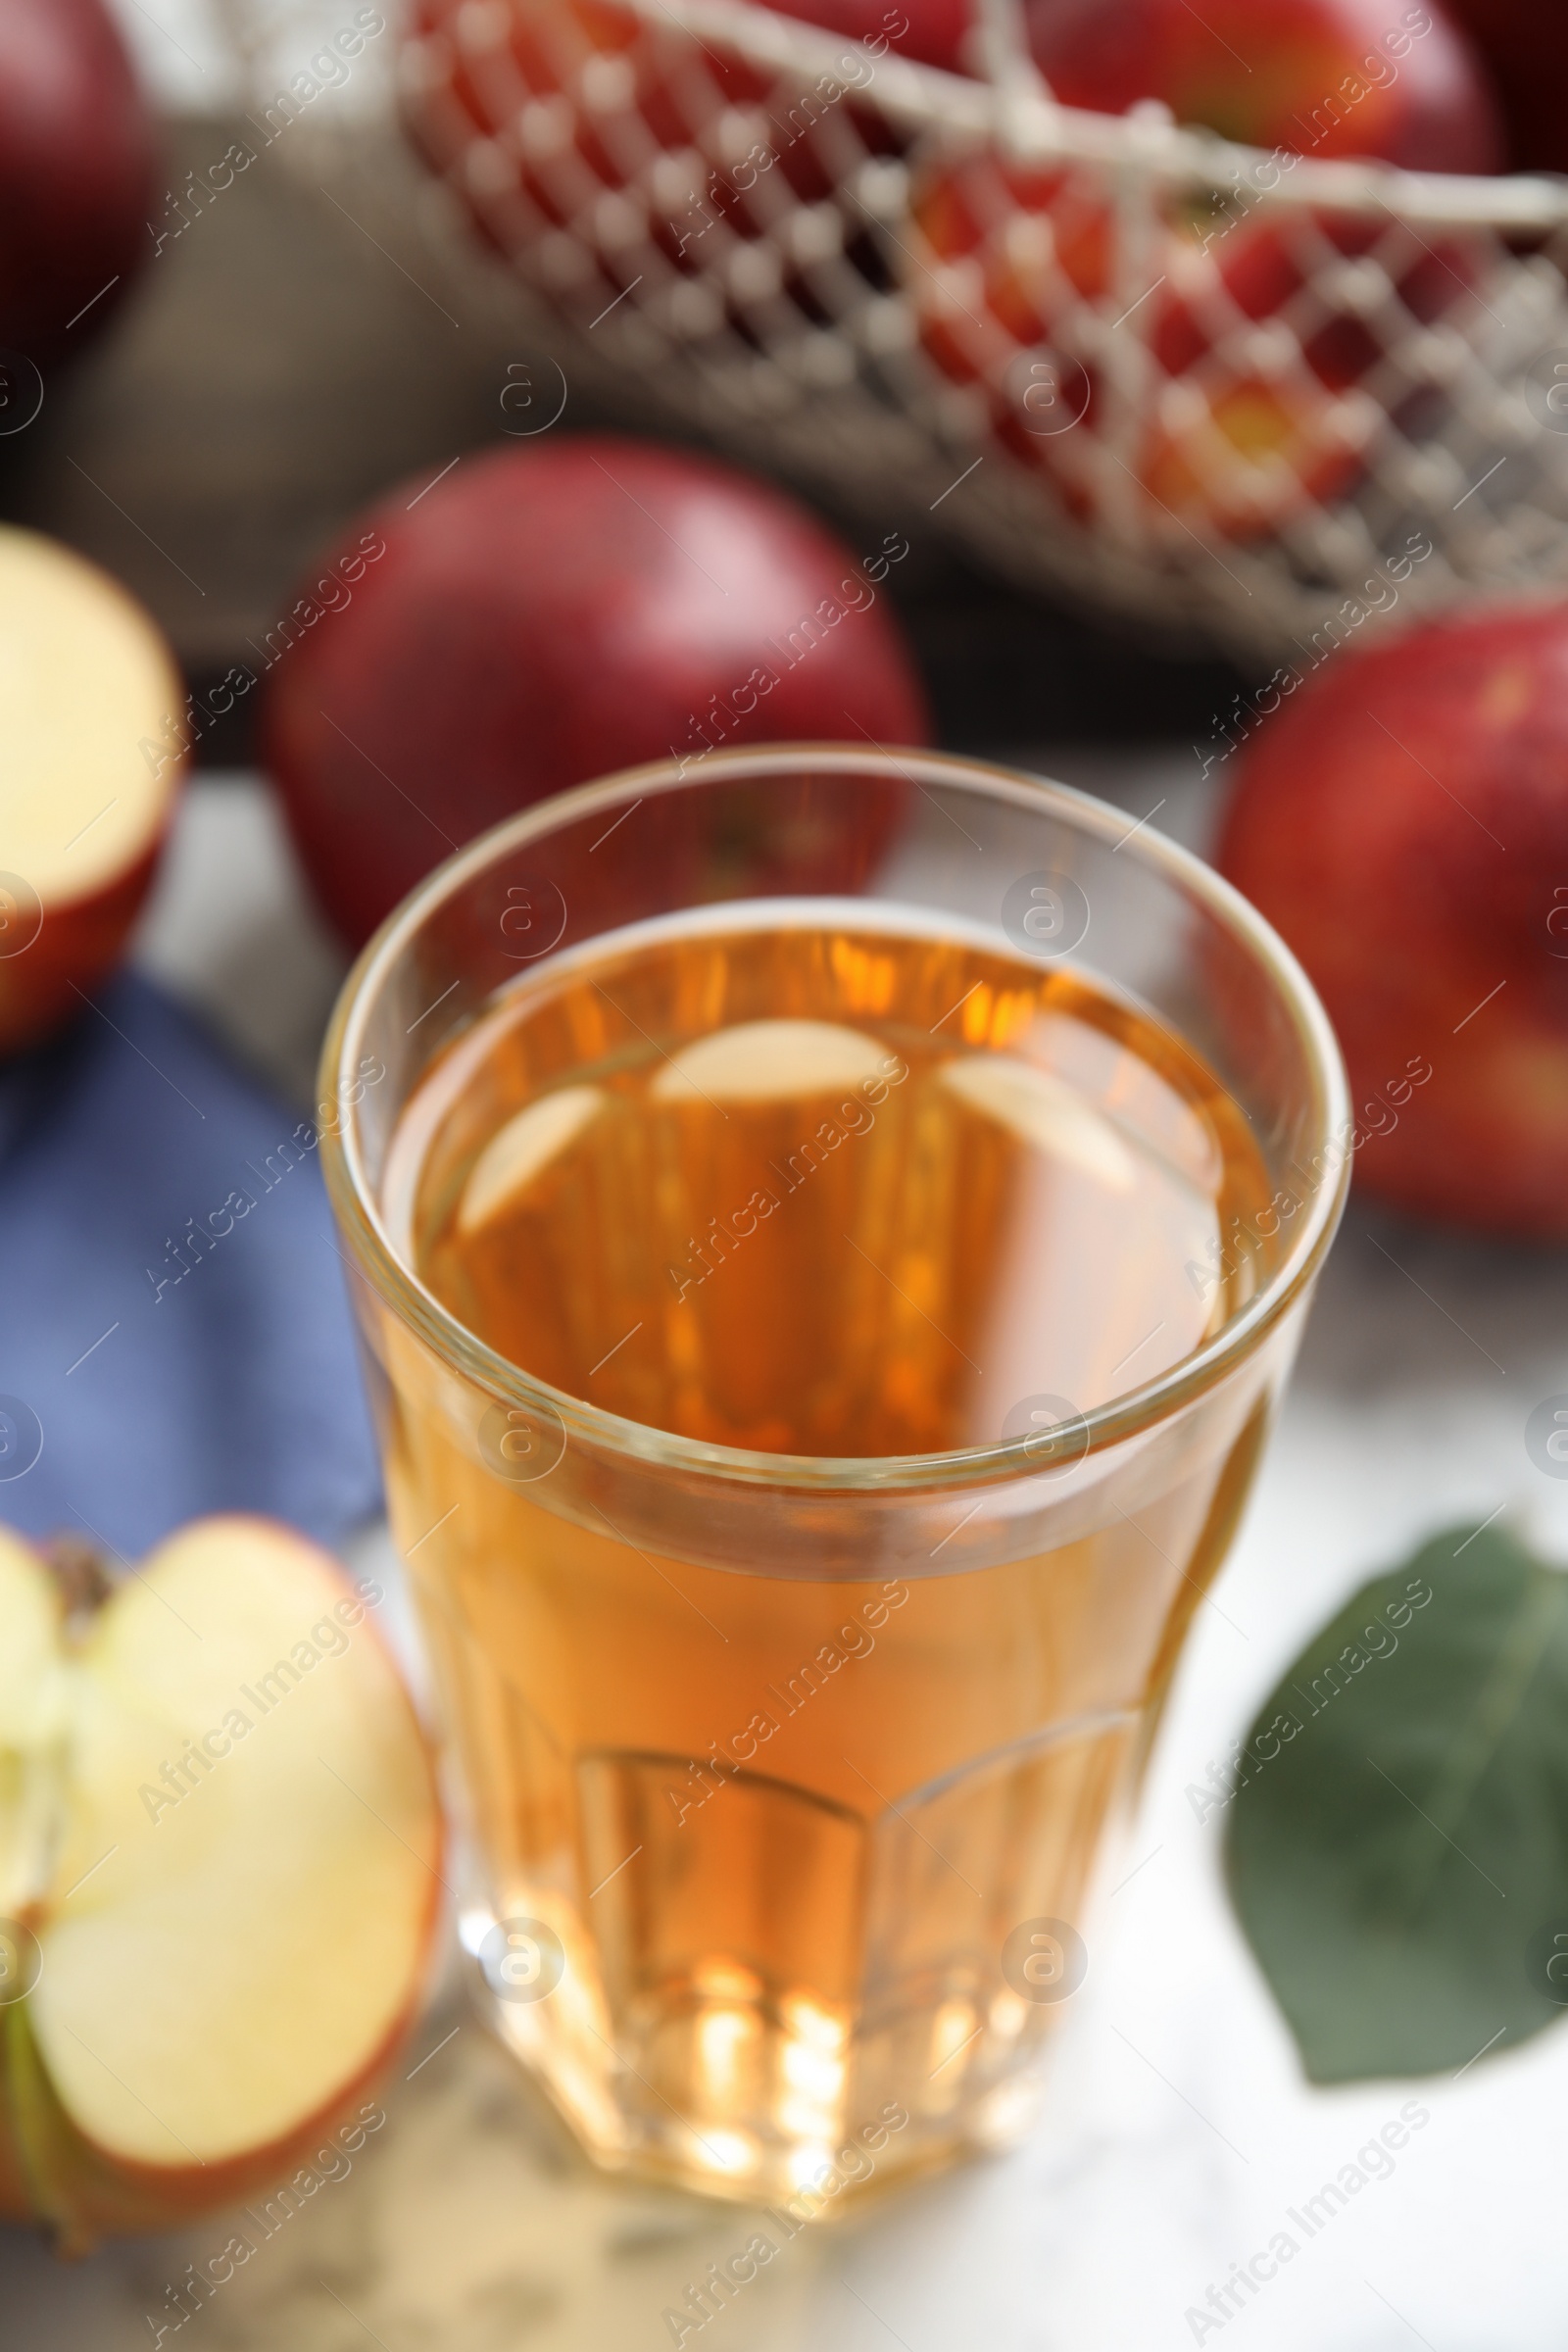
[1398, 1850]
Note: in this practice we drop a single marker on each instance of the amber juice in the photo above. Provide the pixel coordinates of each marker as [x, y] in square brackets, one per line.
[807, 1180]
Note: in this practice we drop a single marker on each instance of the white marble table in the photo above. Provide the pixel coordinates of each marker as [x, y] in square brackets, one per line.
[1179, 2129]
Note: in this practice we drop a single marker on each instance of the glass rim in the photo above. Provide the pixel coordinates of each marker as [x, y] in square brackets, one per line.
[1106, 1424]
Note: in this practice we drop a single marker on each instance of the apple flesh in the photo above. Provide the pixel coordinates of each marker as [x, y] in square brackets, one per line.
[77, 155]
[90, 763]
[550, 614]
[1325, 77]
[219, 1827]
[1403, 824]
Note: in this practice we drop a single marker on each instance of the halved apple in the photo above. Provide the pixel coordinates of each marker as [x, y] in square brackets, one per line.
[220, 1863]
[92, 750]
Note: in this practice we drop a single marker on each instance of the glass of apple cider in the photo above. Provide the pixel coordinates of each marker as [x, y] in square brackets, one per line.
[829, 1230]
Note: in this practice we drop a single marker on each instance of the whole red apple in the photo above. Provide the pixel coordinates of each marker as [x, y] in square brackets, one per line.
[1385, 77]
[76, 162]
[1403, 824]
[547, 614]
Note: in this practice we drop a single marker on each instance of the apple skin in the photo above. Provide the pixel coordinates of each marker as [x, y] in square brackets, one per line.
[89, 2196]
[77, 946]
[937, 36]
[548, 614]
[1403, 824]
[1264, 71]
[77, 158]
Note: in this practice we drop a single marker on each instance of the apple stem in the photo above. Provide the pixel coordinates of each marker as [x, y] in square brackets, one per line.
[81, 1577]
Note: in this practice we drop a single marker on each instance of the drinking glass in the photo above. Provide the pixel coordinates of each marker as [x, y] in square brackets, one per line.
[769, 1962]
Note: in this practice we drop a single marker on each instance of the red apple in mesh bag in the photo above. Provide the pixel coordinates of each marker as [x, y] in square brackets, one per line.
[1239, 433]
[1019, 252]
[1270, 377]
[1395, 78]
[551, 613]
[91, 756]
[220, 1859]
[76, 162]
[1403, 822]
[578, 133]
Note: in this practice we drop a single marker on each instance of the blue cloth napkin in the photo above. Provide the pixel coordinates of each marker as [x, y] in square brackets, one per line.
[166, 1350]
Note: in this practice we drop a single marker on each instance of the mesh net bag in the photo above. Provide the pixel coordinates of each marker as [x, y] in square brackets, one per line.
[1252, 397]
